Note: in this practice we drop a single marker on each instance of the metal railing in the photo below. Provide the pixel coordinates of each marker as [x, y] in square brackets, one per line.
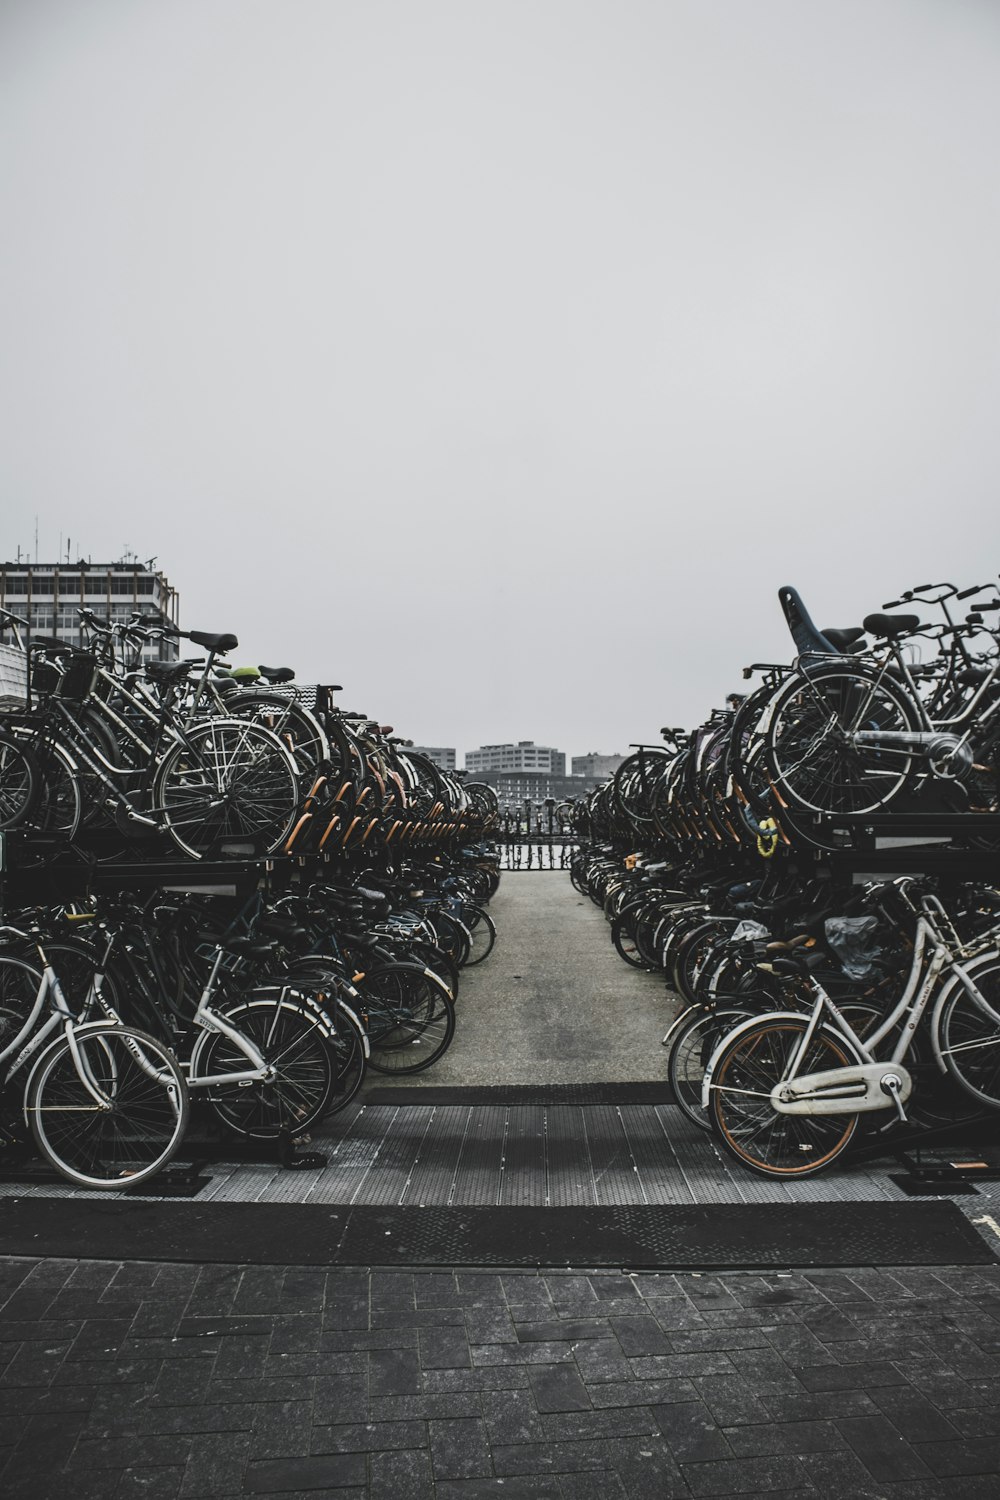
[537, 836]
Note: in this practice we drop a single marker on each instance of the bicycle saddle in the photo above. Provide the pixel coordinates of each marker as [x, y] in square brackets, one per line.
[891, 626]
[277, 674]
[844, 639]
[377, 898]
[225, 642]
[169, 671]
[800, 964]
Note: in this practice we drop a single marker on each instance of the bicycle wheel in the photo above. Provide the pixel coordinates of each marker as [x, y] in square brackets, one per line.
[623, 936]
[350, 1053]
[741, 1115]
[691, 954]
[231, 781]
[970, 1037]
[116, 1119]
[410, 1017]
[451, 935]
[20, 982]
[812, 752]
[423, 951]
[19, 782]
[693, 1045]
[482, 930]
[295, 1046]
[290, 720]
[59, 806]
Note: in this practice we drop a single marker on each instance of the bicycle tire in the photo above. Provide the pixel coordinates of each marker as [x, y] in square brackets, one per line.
[131, 1141]
[20, 782]
[623, 936]
[291, 1040]
[409, 1015]
[423, 951]
[809, 751]
[742, 1119]
[349, 1048]
[482, 930]
[452, 935]
[20, 981]
[970, 1039]
[693, 1045]
[283, 715]
[232, 781]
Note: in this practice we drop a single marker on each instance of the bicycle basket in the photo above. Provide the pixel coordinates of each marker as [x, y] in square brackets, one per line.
[45, 676]
[13, 678]
[77, 682]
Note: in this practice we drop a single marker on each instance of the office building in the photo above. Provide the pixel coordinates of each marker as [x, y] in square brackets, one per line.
[442, 756]
[524, 757]
[601, 766]
[49, 596]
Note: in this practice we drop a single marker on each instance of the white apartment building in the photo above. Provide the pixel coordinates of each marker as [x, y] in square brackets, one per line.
[49, 596]
[442, 756]
[593, 764]
[524, 756]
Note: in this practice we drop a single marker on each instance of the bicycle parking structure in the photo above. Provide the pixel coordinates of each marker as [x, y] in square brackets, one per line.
[325, 926]
[735, 858]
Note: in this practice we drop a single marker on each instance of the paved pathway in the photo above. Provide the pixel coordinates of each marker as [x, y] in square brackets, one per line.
[178, 1381]
[553, 1003]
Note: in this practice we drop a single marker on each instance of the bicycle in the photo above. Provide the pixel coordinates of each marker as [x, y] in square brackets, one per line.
[107, 1104]
[785, 1091]
[208, 783]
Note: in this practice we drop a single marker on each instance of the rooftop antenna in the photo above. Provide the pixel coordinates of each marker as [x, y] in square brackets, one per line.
[36, 541]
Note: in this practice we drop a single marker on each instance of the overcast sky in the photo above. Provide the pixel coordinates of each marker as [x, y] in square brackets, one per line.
[500, 359]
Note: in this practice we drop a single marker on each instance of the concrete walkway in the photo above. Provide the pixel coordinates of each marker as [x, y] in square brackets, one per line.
[553, 1003]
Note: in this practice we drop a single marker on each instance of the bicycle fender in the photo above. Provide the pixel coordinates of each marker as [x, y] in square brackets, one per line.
[677, 1021]
[769, 1015]
[342, 1006]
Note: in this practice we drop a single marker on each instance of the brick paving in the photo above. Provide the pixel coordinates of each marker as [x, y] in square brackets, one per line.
[138, 1379]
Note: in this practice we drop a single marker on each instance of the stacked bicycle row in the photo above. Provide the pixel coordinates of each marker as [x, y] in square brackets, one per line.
[900, 715]
[812, 1009]
[267, 1013]
[813, 1004]
[104, 752]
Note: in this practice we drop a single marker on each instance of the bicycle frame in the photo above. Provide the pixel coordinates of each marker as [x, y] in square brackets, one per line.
[865, 1086]
[210, 1021]
[31, 1039]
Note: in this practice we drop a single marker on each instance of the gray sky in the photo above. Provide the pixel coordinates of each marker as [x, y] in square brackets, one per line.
[499, 359]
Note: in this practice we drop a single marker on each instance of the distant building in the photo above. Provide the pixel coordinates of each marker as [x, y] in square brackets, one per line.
[593, 764]
[442, 756]
[49, 596]
[515, 788]
[525, 757]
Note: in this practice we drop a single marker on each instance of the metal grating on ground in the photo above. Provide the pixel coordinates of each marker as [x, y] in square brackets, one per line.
[525, 1155]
